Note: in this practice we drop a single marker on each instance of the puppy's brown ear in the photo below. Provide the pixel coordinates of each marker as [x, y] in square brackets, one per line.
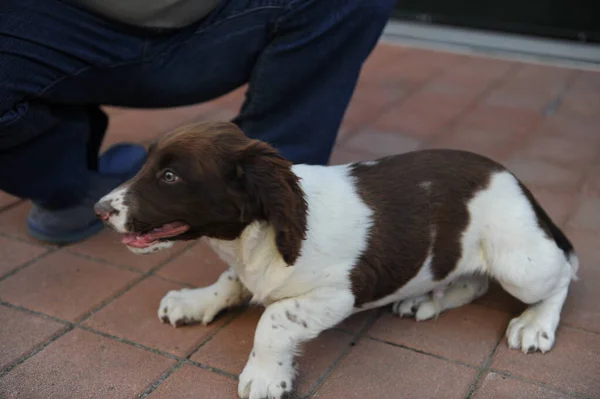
[276, 196]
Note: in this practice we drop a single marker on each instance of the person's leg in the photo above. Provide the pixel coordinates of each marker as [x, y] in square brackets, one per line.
[302, 59]
[305, 77]
[57, 62]
[49, 149]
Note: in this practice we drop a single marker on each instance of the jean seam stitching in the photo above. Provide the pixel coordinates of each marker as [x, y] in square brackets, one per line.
[259, 63]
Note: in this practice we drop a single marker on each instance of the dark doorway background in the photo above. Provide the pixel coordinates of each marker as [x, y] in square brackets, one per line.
[577, 20]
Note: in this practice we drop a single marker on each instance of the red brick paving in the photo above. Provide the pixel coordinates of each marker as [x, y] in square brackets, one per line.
[198, 266]
[15, 254]
[467, 336]
[64, 285]
[190, 382]
[498, 386]
[15, 342]
[377, 370]
[572, 365]
[80, 321]
[380, 143]
[7, 200]
[82, 364]
[131, 318]
[12, 223]
[105, 247]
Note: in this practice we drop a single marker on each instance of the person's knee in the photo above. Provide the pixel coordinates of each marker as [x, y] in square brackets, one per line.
[24, 120]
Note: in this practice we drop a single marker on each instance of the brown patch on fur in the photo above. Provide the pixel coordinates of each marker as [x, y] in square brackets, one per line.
[277, 196]
[419, 201]
[226, 181]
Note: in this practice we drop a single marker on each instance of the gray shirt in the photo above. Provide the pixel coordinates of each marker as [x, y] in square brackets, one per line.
[151, 13]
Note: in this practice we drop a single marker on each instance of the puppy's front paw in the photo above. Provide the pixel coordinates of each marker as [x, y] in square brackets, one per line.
[266, 379]
[188, 306]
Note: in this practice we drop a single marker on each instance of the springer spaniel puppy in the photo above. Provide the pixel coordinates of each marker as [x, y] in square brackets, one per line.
[423, 231]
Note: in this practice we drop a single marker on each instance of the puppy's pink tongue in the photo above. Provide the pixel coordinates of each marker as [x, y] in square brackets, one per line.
[135, 240]
[165, 231]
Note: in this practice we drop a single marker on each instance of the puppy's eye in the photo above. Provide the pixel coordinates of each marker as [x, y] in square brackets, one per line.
[169, 176]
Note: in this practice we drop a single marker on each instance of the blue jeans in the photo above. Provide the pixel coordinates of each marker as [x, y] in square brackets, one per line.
[58, 62]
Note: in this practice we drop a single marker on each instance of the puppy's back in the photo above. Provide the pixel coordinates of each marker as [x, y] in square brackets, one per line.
[420, 203]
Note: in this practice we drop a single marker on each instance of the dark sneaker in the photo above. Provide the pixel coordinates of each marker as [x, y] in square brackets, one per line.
[67, 225]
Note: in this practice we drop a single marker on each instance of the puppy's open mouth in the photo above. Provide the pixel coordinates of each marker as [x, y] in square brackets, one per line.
[144, 240]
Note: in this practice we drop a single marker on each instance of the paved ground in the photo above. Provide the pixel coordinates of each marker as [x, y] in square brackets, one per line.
[80, 322]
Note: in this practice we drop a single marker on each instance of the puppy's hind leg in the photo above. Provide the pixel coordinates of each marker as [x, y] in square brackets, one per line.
[541, 279]
[460, 292]
[409, 306]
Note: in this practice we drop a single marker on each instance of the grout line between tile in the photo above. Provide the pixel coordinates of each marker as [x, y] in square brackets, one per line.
[78, 324]
[174, 256]
[210, 368]
[104, 262]
[186, 360]
[153, 350]
[235, 313]
[357, 336]
[186, 249]
[110, 299]
[563, 324]
[33, 242]
[127, 288]
[36, 313]
[447, 359]
[35, 350]
[30, 262]
[485, 367]
[69, 326]
[152, 387]
[540, 384]
[168, 280]
[8, 207]
[128, 342]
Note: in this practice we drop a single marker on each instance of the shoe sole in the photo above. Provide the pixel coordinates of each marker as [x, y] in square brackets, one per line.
[63, 238]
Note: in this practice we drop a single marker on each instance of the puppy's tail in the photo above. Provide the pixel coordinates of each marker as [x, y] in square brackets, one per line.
[574, 262]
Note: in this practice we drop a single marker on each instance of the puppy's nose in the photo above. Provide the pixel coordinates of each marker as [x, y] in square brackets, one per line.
[104, 210]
